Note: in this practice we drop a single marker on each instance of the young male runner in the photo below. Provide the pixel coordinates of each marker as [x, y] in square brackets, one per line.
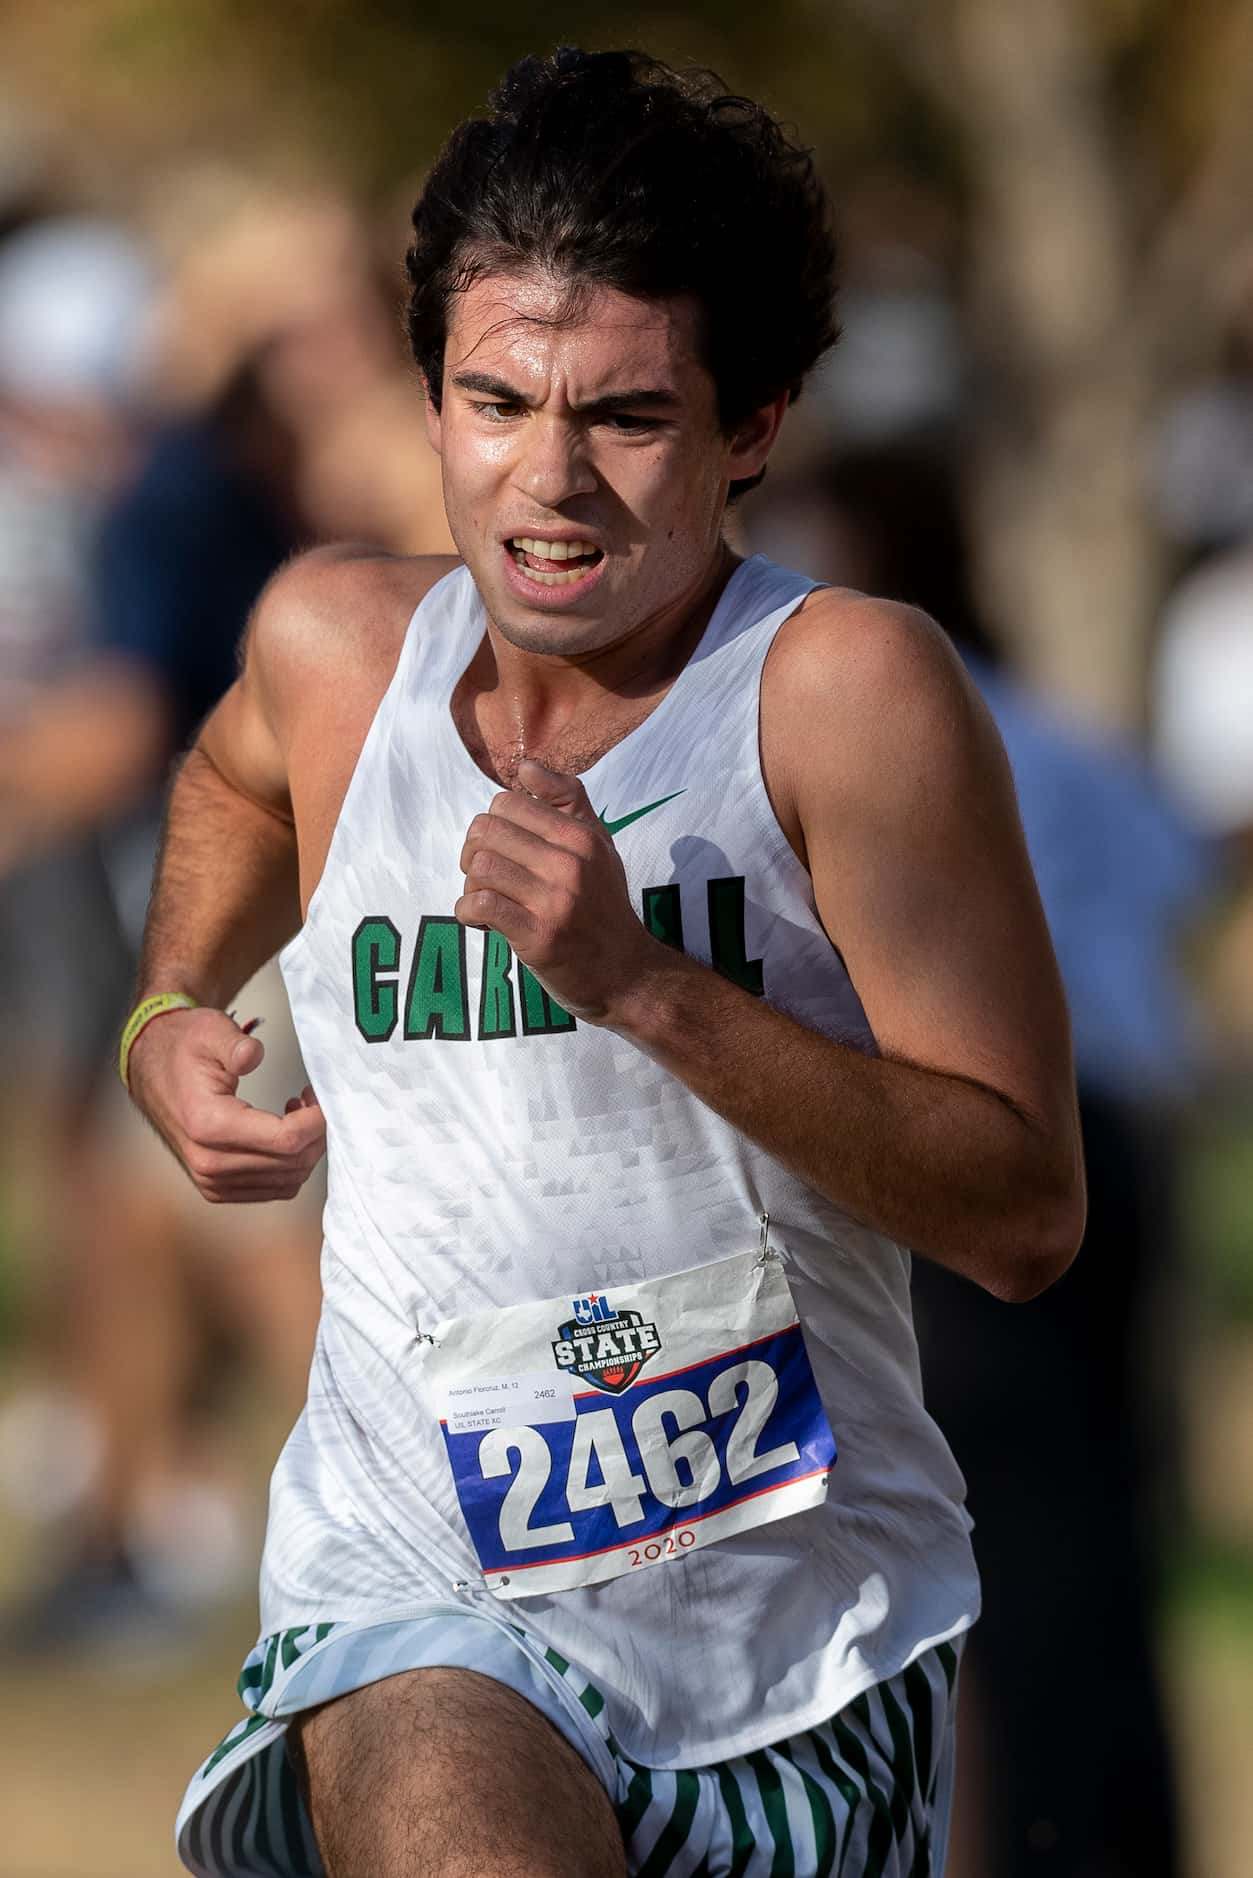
[585, 1556]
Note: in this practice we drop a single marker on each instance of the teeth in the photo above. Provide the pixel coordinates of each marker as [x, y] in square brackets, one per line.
[553, 550]
[551, 577]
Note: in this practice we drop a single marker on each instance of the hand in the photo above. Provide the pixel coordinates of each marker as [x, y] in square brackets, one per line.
[542, 871]
[184, 1071]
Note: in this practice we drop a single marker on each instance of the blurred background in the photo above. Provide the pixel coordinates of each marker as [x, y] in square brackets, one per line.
[1038, 425]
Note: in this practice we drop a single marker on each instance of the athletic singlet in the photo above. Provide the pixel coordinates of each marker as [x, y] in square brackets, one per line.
[486, 1151]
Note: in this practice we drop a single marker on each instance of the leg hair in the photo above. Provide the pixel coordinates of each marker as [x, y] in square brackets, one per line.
[446, 1773]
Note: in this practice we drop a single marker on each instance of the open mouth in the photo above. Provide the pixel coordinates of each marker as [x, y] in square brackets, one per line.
[554, 563]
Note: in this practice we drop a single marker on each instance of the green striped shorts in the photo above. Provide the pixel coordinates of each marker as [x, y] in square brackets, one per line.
[864, 1795]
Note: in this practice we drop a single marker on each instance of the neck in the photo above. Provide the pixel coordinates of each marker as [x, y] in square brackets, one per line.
[542, 694]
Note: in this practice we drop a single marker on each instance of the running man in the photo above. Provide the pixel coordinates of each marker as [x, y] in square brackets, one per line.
[670, 961]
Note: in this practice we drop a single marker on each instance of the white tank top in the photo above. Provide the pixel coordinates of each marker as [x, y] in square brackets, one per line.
[485, 1151]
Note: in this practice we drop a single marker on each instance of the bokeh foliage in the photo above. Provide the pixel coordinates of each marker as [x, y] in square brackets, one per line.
[371, 86]
[1087, 160]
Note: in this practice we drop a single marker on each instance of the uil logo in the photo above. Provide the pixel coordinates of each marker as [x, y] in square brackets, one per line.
[604, 1347]
[593, 1309]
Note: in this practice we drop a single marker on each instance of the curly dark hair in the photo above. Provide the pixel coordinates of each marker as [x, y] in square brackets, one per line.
[613, 170]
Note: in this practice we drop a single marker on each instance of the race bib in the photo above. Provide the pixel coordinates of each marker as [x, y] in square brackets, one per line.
[593, 1436]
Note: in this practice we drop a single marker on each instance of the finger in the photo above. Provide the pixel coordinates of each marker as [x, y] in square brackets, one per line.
[558, 827]
[229, 1167]
[226, 1125]
[247, 1055]
[221, 1044]
[489, 867]
[258, 1195]
[559, 791]
[496, 834]
[303, 1129]
[495, 873]
[483, 907]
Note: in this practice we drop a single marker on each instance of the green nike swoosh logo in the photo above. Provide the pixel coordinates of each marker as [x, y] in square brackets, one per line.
[611, 828]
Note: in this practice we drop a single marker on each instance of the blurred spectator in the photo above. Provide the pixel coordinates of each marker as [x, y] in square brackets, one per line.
[1202, 680]
[290, 281]
[1203, 707]
[303, 436]
[74, 302]
[75, 295]
[168, 1286]
[1059, 1412]
[1203, 695]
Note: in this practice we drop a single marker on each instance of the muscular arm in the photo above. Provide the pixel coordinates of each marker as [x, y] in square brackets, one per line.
[948, 1166]
[961, 1138]
[225, 897]
[279, 748]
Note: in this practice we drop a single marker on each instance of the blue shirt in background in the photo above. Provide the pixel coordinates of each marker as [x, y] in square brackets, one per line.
[1121, 873]
[182, 558]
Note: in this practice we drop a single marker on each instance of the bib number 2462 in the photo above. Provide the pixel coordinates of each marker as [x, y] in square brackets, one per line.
[668, 1433]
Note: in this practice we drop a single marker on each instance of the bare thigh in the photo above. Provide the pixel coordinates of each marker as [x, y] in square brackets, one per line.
[445, 1773]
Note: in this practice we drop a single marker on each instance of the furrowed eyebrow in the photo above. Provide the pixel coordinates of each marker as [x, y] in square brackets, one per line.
[489, 386]
[635, 397]
[631, 400]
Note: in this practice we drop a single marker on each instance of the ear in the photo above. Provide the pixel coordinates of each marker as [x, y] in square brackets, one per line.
[754, 439]
[434, 420]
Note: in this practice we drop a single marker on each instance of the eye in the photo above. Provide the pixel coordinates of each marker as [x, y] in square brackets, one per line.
[627, 424]
[499, 412]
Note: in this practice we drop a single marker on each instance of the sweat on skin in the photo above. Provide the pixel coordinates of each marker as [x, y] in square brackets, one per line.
[959, 1139]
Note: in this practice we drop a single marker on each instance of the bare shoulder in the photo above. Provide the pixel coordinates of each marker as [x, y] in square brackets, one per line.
[845, 651]
[332, 619]
[322, 648]
[862, 696]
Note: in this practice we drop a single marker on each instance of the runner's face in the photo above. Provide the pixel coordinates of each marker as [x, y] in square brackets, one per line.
[600, 430]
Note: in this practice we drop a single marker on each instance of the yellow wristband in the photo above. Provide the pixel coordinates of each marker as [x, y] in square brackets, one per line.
[141, 1017]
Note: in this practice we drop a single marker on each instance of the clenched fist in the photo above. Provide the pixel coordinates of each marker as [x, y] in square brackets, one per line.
[185, 1068]
[543, 872]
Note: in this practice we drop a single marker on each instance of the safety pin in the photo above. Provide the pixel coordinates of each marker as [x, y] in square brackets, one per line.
[763, 1247]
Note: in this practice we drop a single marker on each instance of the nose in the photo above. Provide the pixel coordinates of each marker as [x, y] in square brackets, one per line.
[553, 464]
